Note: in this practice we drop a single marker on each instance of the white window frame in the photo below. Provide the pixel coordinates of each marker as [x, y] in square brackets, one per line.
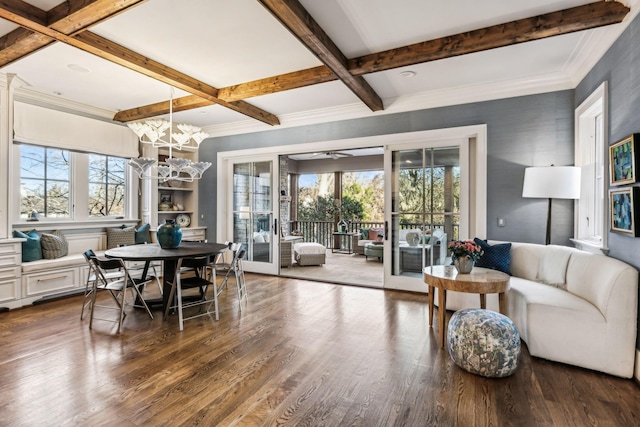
[591, 213]
[79, 194]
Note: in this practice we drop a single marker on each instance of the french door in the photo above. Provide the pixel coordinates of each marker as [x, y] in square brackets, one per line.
[251, 218]
[426, 206]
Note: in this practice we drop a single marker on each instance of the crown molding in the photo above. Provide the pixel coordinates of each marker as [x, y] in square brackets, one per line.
[31, 96]
[420, 101]
[594, 44]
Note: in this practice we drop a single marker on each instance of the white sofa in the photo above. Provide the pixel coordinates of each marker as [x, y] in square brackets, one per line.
[570, 306]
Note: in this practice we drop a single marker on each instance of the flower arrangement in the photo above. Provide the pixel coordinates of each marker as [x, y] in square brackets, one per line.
[462, 248]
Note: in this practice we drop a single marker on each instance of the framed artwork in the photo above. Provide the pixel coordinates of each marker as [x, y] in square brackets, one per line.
[624, 215]
[623, 157]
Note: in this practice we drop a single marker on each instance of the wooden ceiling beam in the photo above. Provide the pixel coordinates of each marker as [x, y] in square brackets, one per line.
[103, 48]
[297, 20]
[67, 17]
[566, 21]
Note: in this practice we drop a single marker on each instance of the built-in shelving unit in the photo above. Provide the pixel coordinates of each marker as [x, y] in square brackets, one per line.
[166, 200]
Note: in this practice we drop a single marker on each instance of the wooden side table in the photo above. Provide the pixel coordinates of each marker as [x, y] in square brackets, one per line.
[480, 281]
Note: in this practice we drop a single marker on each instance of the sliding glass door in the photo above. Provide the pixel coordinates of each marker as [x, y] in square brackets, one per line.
[252, 216]
[427, 207]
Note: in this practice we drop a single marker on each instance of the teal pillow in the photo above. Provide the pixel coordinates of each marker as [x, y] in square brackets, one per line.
[364, 233]
[143, 234]
[31, 249]
[495, 257]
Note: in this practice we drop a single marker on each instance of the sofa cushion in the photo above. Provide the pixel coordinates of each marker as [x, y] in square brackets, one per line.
[121, 236]
[495, 257]
[552, 269]
[54, 245]
[31, 249]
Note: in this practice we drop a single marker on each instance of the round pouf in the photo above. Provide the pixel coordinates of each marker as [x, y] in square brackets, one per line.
[483, 342]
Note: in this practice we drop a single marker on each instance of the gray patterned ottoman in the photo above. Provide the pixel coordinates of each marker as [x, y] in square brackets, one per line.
[483, 342]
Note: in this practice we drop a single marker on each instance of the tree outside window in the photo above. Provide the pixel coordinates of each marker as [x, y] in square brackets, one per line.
[106, 185]
[44, 182]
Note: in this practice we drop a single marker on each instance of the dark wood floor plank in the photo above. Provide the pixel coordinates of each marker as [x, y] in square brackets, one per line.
[300, 353]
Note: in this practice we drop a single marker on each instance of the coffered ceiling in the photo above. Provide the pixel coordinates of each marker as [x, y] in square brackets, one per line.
[251, 65]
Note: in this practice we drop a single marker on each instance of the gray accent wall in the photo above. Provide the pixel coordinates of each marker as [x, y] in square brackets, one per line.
[620, 67]
[525, 131]
[534, 130]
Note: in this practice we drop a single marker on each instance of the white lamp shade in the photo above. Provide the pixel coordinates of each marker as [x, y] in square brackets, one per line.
[553, 182]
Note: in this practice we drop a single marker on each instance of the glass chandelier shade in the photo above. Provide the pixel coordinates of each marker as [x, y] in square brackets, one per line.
[179, 137]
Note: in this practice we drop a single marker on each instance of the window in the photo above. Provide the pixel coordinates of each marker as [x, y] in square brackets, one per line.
[106, 185]
[65, 185]
[44, 182]
[590, 215]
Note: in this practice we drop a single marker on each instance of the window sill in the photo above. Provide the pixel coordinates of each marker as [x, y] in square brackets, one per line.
[589, 246]
[70, 224]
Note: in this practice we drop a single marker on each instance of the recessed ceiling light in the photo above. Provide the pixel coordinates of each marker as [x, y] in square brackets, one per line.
[78, 68]
[408, 74]
[57, 93]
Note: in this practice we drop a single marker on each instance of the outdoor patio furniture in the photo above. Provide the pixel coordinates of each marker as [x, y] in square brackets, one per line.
[373, 250]
[308, 253]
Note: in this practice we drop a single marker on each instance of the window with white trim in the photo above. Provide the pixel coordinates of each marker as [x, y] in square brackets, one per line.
[64, 185]
[590, 214]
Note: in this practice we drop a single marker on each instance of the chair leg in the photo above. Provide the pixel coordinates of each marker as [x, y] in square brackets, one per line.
[179, 297]
[88, 289]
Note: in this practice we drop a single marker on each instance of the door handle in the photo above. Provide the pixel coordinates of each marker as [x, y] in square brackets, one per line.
[386, 230]
[275, 226]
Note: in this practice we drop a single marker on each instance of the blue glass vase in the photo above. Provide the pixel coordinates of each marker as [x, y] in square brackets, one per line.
[169, 234]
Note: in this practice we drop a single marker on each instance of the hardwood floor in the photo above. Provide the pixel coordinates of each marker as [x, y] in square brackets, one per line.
[301, 353]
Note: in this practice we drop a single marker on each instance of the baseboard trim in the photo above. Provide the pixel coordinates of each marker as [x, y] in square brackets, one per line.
[58, 296]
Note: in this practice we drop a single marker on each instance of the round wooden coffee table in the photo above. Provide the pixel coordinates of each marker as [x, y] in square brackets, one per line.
[480, 281]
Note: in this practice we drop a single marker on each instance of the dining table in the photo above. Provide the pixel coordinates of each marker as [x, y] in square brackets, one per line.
[169, 258]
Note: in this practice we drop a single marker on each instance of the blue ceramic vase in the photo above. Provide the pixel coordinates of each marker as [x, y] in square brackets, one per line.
[169, 234]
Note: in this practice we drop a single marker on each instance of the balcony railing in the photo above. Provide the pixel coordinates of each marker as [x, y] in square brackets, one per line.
[321, 231]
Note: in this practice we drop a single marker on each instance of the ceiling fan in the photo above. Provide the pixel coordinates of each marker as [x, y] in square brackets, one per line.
[333, 154]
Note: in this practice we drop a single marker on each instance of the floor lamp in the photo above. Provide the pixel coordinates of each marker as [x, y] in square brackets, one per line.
[551, 182]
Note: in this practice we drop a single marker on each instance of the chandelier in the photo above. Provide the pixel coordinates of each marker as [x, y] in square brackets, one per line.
[180, 136]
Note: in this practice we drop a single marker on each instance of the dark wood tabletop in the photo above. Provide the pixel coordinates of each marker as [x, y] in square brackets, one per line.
[169, 258]
[153, 252]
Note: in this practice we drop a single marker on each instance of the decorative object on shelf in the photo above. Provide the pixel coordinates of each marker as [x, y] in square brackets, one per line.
[624, 215]
[464, 253]
[185, 137]
[413, 238]
[551, 182]
[183, 220]
[169, 234]
[623, 156]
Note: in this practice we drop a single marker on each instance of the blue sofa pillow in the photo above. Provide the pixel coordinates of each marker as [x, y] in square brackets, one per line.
[495, 257]
[143, 234]
[31, 249]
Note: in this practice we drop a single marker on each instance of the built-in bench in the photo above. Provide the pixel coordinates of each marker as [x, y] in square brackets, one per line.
[46, 277]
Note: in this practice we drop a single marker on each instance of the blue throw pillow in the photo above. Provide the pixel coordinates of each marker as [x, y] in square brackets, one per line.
[31, 249]
[143, 234]
[496, 257]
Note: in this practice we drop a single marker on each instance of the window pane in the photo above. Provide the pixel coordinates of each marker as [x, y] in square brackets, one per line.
[57, 200]
[107, 186]
[31, 162]
[44, 182]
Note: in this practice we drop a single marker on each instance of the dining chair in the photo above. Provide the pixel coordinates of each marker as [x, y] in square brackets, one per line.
[232, 269]
[91, 278]
[117, 288]
[222, 266]
[191, 273]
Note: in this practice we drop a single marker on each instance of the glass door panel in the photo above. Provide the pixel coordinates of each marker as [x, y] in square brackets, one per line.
[425, 208]
[253, 215]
